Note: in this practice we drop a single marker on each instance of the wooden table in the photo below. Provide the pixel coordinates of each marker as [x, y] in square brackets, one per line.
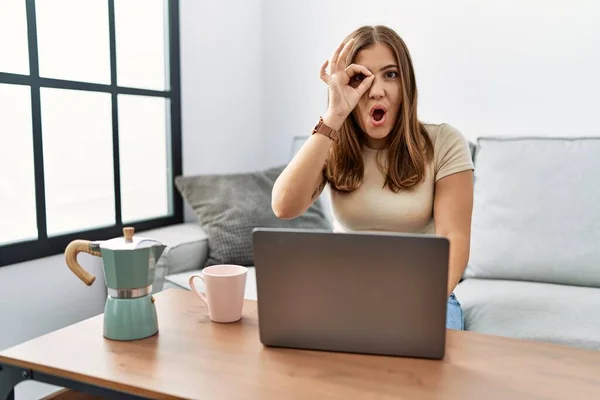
[194, 358]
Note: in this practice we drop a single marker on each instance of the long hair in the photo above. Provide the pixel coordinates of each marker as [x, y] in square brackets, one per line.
[408, 145]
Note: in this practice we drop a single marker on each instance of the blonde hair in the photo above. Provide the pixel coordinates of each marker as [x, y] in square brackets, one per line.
[408, 145]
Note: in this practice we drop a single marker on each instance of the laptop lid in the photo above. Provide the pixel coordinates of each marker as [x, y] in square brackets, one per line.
[374, 293]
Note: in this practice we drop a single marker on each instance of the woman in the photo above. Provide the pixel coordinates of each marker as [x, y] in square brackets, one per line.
[386, 170]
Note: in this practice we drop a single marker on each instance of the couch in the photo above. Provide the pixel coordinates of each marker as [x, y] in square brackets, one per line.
[534, 269]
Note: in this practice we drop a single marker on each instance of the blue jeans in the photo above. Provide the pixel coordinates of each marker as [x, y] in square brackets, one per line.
[454, 315]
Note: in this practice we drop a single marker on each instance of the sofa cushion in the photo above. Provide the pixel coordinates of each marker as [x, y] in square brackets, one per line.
[536, 212]
[230, 206]
[559, 314]
[181, 280]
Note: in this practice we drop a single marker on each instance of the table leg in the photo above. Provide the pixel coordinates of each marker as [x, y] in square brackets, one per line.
[9, 378]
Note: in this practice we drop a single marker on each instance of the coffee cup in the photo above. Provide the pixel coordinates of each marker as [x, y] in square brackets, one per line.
[225, 286]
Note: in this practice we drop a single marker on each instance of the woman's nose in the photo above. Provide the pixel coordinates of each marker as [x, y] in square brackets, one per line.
[376, 90]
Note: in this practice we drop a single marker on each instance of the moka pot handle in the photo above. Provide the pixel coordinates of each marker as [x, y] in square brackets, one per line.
[71, 252]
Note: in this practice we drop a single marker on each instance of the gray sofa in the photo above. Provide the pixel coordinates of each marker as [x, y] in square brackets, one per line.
[534, 270]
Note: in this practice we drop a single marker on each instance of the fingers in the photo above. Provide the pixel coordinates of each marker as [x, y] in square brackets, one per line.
[323, 72]
[354, 69]
[340, 63]
[365, 85]
[336, 54]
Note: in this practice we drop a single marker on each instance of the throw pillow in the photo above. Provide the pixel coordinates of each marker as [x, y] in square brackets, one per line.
[230, 206]
[535, 210]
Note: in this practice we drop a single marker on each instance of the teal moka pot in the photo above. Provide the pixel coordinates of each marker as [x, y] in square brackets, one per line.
[129, 267]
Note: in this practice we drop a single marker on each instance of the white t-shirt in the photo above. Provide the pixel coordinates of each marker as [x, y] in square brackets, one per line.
[373, 207]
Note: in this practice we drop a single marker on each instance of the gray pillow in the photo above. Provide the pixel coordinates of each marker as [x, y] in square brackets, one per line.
[230, 206]
[535, 210]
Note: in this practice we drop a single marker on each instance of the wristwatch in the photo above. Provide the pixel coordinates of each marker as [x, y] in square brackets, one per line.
[325, 130]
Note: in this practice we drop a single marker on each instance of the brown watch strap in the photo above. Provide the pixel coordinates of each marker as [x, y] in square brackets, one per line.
[323, 129]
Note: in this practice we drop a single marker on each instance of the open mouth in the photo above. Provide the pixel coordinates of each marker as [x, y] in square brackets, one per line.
[378, 113]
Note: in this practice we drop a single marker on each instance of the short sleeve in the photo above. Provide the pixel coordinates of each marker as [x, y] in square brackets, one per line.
[452, 153]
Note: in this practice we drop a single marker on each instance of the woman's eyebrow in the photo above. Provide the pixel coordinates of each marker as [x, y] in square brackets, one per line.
[390, 66]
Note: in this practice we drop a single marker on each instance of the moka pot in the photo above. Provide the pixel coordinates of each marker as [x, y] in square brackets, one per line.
[129, 268]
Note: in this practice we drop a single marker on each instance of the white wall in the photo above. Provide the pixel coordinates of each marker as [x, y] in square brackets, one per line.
[221, 51]
[489, 68]
[221, 85]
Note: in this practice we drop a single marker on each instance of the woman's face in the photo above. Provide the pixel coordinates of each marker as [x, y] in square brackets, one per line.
[377, 110]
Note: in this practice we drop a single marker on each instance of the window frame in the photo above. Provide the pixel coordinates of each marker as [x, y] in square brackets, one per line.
[44, 246]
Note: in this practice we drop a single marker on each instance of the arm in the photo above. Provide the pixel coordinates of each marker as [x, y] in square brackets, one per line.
[452, 208]
[302, 181]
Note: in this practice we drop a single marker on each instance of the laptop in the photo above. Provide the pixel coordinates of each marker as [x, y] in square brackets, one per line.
[367, 293]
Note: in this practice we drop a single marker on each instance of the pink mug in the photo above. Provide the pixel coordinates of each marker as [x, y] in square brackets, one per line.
[225, 286]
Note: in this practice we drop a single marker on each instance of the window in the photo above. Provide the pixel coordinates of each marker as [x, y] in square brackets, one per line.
[90, 136]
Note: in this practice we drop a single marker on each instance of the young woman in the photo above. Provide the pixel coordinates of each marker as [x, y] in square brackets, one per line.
[386, 170]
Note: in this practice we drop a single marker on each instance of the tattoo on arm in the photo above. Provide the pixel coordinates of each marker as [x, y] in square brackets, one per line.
[319, 189]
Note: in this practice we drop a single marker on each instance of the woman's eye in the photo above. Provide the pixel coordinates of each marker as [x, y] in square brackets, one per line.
[391, 74]
[356, 80]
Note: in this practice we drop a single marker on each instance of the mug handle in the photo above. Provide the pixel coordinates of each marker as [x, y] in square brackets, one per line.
[195, 290]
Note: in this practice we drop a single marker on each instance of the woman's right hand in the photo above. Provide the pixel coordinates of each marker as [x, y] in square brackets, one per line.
[346, 84]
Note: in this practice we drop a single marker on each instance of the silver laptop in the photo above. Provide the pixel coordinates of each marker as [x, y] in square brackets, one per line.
[370, 293]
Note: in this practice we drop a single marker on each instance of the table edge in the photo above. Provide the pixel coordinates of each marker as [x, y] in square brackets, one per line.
[84, 378]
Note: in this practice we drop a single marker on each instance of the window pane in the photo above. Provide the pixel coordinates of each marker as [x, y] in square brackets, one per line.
[141, 44]
[78, 160]
[143, 153]
[73, 41]
[17, 181]
[13, 37]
